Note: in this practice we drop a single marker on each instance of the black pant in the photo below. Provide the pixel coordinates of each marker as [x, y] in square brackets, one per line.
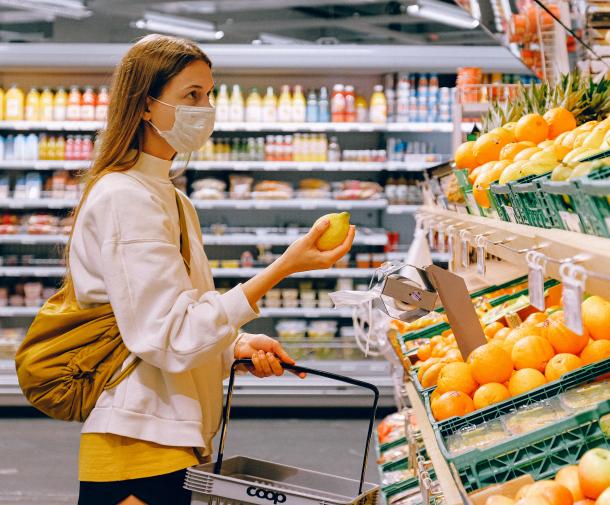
[159, 490]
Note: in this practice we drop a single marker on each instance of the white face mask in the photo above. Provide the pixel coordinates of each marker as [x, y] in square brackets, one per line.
[192, 127]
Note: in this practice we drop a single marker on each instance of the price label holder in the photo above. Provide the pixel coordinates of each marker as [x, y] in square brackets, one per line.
[454, 251]
[441, 244]
[573, 278]
[536, 263]
[480, 242]
[431, 230]
[465, 237]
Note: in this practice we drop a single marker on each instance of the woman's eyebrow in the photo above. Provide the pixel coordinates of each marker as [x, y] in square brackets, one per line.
[193, 86]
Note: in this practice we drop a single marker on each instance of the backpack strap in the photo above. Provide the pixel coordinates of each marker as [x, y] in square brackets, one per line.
[185, 245]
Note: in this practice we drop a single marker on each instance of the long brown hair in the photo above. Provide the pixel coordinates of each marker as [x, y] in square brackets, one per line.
[144, 71]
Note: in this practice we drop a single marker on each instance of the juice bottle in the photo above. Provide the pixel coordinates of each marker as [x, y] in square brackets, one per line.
[222, 104]
[323, 106]
[73, 108]
[312, 113]
[299, 105]
[270, 106]
[14, 101]
[350, 104]
[254, 107]
[31, 146]
[69, 152]
[60, 104]
[87, 110]
[42, 147]
[19, 148]
[236, 105]
[379, 106]
[9, 148]
[60, 148]
[362, 112]
[284, 108]
[1, 104]
[101, 107]
[297, 147]
[32, 105]
[78, 147]
[45, 111]
[337, 104]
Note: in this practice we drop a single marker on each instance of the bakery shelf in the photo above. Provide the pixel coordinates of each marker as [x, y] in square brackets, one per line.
[510, 242]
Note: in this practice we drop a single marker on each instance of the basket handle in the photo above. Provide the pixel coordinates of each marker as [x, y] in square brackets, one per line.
[298, 369]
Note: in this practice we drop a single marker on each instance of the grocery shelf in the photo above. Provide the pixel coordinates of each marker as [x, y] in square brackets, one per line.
[45, 165]
[402, 209]
[18, 311]
[295, 203]
[209, 239]
[38, 203]
[26, 239]
[286, 391]
[510, 242]
[308, 166]
[32, 271]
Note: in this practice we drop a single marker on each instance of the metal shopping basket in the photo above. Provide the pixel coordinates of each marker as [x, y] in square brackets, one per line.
[242, 480]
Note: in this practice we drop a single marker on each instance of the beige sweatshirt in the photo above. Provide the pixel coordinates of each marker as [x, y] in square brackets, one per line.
[126, 251]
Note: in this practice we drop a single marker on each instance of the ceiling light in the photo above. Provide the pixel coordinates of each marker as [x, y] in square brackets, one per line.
[174, 25]
[73, 9]
[442, 13]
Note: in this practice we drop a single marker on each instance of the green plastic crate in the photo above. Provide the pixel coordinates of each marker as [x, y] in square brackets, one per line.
[592, 202]
[540, 453]
[500, 196]
[532, 207]
[427, 332]
[559, 197]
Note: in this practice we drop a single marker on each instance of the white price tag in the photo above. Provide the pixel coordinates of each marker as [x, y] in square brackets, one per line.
[607, 220]
[570, 220]
[573, 280]
[472, 204]
[431, 236]
[481, 260]
[535, 278]
[453, 263]
[465, 253]
[441, 239]
[511, 214]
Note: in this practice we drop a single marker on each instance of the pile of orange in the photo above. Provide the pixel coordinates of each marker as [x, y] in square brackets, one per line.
[587, 483]
[540, 350]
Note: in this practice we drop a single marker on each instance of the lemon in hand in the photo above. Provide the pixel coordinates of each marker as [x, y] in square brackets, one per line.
[336, 233]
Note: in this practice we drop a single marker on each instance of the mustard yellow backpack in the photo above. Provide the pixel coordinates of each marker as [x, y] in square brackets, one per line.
[70, 355]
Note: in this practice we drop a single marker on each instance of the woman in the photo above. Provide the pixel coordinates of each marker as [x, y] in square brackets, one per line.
[125, 249]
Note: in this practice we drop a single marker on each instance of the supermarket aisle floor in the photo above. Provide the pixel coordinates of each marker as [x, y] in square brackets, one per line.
[39, 457]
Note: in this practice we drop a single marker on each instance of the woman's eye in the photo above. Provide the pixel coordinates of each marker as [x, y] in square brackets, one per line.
[193, 95]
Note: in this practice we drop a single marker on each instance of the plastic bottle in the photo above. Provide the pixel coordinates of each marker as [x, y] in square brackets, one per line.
[101, 106]
[323, 149]
[222, 104]
[323, 106]
[87, 149]
[362, 113]
[19, 149]
[31, 146]
[60, 105]
[42, 146]
[350, 104]
[337, 104]
[312, 113]
[60, 148]
[284, 107]
[87, 110]
[391, 190]
[14, 100]
[73, 107]
[270, 106]
[9, 148]
[32, 105]
[379, 106]
[45, 110]
[299, 105]
[236, 105]
[1, 147]
[334, 151]
[2, 104]
[254, 107]
[69, 150]
[78, 148]
[402, 101]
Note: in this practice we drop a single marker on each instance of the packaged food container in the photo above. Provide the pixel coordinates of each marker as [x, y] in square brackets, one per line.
[378, 259]
[585, 396]
[3, 297]
[363, 260]
[214, 263]
[229, 263]
[273, 294]
[477, 437]
[343, 262]
[323, 331]
[308, 295]
[16, 301]
[349, 349]
[324, 301]
[290, 294]
[291, 330]
[345, 284]
[290, 304]
[309, 304]
[534, 416]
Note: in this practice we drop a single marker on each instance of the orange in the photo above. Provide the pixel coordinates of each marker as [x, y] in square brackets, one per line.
[435, 395]
[439, 351]
[555, 493]
[457, 377]
[532, 352]
[472, 176]
[595, 351]
[559, 120]
[454, 355]
[423, 352]
[532, 127]
[559, 150]
[561, 364]
[521, 493]
[485, 178]
[533, 500]
[450, 404]
[510, 127]
[596, 317]
[563, 339]
[490, 363]
[506, 135]
[490, 393]
[517, 334]
[464, 156]
[498, 499]
[509, 151]
[427, 364]
[487, 148]
[500, 335]
[586, 501]
[491, 329]
[431, 375]
[535, 318]
[524, 380]
[568, 477]
[527, 153]
[435, 340]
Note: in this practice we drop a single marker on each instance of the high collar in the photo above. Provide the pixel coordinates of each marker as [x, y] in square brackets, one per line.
[153, 166]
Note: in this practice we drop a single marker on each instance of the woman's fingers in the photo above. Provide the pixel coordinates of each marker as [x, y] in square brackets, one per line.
[316, 231]
[264, 363]
[256, 361]
[282, 354]
[276, 366]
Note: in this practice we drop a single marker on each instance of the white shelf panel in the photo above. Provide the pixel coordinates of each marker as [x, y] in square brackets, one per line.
[306, 313]
[295, 203]
[38, 203]
[92, 126]
[18, 311]
[45, 165]
[32, 271]
[376, 239]
[308, 166]
[33, 239]
[402, 209]
[332, 273]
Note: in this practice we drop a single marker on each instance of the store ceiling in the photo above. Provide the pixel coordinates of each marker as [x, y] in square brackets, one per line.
[274, 22]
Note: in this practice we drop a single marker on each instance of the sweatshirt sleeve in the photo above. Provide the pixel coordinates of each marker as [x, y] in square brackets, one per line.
[159, 313]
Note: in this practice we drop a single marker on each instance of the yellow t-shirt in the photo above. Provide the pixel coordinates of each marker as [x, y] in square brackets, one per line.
[105, 457]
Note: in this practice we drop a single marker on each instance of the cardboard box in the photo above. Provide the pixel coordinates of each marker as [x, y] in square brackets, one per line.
[508, 489]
